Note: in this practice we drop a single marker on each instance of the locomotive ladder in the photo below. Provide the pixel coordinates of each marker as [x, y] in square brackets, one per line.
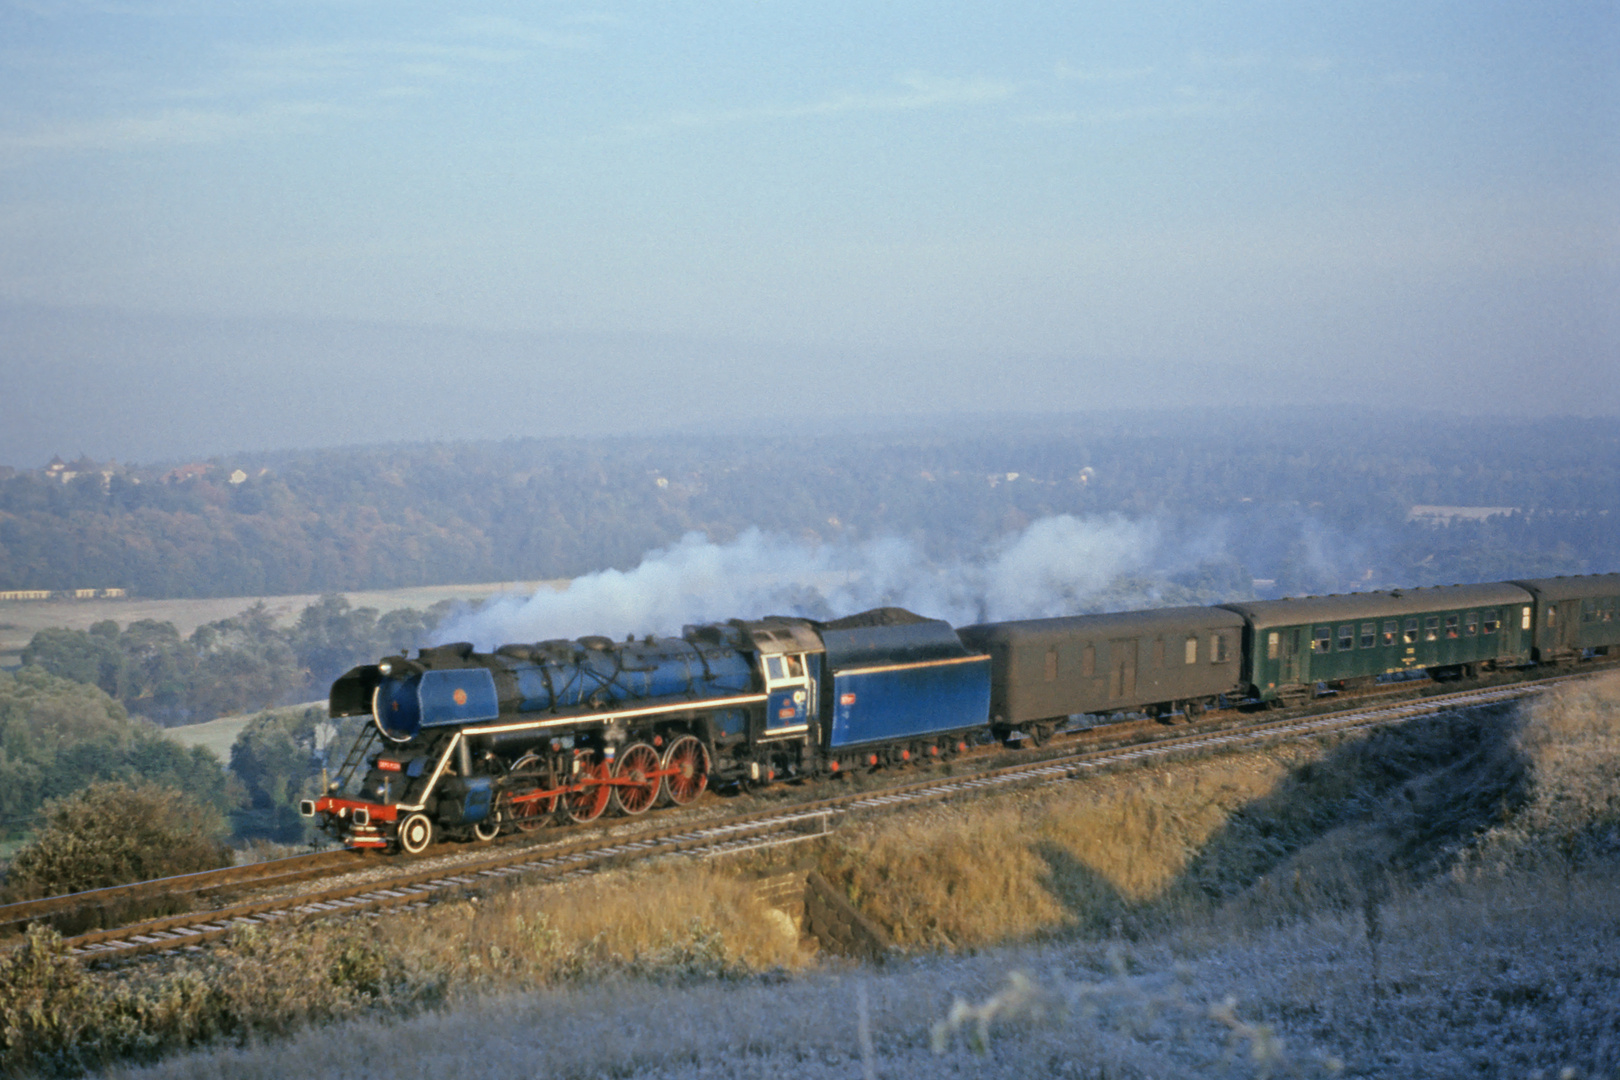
[357, 757]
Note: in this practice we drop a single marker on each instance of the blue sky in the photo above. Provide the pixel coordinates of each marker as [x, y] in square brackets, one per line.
[1035, 206]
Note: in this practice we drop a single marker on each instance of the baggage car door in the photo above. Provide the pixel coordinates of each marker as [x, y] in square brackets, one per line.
[1122, 669]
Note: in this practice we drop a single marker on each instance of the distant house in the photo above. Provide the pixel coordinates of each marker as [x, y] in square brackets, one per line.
[238, 477]
[25, 594]
[1445, 515]
[185, 472]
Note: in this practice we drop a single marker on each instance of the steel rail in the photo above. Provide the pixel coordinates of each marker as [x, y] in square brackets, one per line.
[745, 831]
[271, 872]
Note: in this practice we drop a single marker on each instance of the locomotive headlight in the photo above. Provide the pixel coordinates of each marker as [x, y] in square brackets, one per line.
[386, 667]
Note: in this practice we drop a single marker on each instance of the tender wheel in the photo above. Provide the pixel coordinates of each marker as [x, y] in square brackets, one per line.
[588, 803]
[690, 759]
[489, 828]
[639, 763]
[415, 834]
[530, 814]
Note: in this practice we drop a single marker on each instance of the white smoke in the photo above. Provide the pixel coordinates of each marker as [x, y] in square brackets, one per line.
[1057, 566]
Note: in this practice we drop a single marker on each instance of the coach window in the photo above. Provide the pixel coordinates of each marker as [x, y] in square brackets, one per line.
[1409, 632]
[1391, 628]
[1492, 625]
[1217, 648]
[1589, 610]
[1552, 614]
[1088, 661]
[1347, 638]
[1323, 640]
[1271, 645]
[1369, 634]
[1471, 624]
[1524, 619]
[1431, 628]
[1451, 626]
[1192, 650]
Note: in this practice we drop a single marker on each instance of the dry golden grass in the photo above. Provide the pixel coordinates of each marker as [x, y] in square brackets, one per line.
[1076, 857]
[677, 919]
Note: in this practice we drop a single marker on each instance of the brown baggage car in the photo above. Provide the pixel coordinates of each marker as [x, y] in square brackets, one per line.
[1046, 670]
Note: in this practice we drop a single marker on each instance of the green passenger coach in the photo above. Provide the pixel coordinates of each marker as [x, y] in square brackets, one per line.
[1350, 640]
[1573, 615]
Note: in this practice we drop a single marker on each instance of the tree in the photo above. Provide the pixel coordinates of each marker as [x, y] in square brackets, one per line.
[111, 833]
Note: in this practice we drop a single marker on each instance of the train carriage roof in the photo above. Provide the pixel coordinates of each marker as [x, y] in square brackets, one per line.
[1580, 587]
[1034, 633]
[861, 646]
[1371, 605]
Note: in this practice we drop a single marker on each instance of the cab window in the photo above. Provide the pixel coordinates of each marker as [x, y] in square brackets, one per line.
[795, 666]
[773, 667]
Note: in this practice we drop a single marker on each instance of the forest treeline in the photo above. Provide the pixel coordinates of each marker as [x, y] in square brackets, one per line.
[86, 705]
[229, 666]
[1307, 500]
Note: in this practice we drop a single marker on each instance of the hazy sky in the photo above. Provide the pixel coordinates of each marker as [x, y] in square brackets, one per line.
[231, 225]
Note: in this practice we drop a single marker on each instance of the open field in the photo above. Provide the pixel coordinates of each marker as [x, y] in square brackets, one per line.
[218, 735]
[21, 619]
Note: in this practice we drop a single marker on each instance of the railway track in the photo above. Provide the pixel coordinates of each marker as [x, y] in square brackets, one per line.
[421, 884]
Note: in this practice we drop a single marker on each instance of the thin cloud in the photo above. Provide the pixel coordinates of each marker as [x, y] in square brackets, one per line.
[497, 26]
[169, 127]
[1240, 62]
[1102, 75]
[918, 92]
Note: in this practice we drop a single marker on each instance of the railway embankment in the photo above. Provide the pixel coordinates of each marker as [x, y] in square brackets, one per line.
[1423, 898]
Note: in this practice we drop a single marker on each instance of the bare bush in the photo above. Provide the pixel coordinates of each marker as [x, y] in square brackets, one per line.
[113, 833]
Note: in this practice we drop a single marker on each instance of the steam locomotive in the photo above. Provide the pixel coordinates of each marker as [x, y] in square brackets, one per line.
[466, 745]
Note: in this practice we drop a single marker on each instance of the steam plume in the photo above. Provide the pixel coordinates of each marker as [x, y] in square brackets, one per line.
[1057, 566]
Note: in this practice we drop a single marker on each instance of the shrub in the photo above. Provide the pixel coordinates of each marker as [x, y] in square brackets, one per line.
[113, 833]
